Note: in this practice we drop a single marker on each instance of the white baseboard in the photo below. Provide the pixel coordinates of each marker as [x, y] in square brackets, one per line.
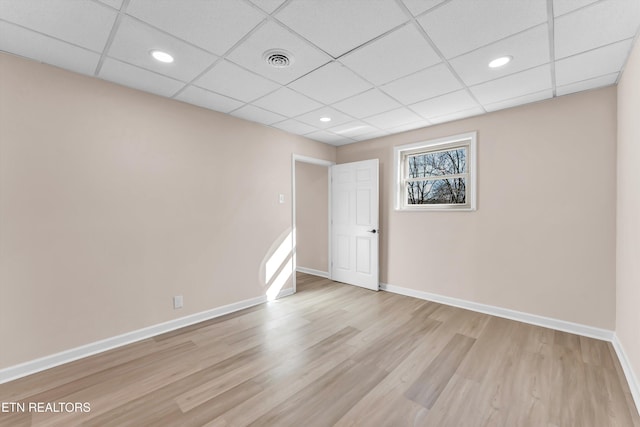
[313, 272]
[31, 367]
[632, 380]
[547, 322]
[285, 293]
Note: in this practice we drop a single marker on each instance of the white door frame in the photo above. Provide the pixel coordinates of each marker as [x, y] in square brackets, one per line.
[305, 159]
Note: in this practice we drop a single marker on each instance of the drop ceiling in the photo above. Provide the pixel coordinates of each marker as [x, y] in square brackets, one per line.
[375, 67]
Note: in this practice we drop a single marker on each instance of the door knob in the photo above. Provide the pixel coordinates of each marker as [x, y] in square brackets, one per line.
[374, 231]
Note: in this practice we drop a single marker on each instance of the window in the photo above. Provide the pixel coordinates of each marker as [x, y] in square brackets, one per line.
[437, 175]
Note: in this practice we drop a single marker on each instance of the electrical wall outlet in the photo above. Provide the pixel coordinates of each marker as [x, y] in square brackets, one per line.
[177, 302]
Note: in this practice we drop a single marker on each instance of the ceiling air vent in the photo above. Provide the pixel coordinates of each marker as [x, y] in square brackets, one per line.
[278, 58]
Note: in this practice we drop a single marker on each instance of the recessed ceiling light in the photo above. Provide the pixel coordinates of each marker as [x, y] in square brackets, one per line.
[161, 56]
[499, 62]
[325, 119]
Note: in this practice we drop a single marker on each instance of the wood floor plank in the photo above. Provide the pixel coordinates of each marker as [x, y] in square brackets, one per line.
[197, 396]
[595, 352]
[458, 405]
[334, 354]
[207, 323]
[377, 406]
[137, 410]
[286, 380]
[218, 405]
[389, 410]
[326, 400]
[518, 392]
[16, 419]
[499, 338]
[19, 389]
[283, 385]
[388, 351]
[465, 322]
[630, 404]
[127, 370]
[427, 387]
[569, 381]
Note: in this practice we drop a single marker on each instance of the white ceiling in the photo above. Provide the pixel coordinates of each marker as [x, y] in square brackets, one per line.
[376, 67]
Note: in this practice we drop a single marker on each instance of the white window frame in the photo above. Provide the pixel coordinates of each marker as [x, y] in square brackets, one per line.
[402, 152]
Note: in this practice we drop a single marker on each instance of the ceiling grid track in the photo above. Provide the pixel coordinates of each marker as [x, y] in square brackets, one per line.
[112, 35]
[439, 52]
[223, 57]
[552, 48]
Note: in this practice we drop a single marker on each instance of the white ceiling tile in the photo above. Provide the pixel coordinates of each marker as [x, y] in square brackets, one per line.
[313, 118]
[81, 22]
[330, 83]
[287, 102]
[522, 83]
[457, 115]
[135, 40]
[353, 129]
[329, 138]
[337, 26]
[528, 49]
[392, 56]
[422, 85]
[595, 63]
[393, 118]
[560, 7]
[371, 135]
[231, 80]
[33, 45]
[116, 4]
[520, 100]
[597, 25]
[268, 5]
[596, 82]
[410, 126]
[445, 104]
[204, 98]
[378, 42]
[460, 26]
[215, 25]
[137, 78]
[343, 142]
[416, 7]
[250, 53]
[255, 114]
[294, 126]
[367, 104]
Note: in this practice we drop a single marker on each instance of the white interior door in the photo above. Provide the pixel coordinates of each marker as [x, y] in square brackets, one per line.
[354, 223]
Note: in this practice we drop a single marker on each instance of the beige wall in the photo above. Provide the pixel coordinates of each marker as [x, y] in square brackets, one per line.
[543, 238]
[112, 201]
[312, 216]
[628, 224]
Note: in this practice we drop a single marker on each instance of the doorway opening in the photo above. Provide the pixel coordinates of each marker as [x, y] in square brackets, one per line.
[311, 212]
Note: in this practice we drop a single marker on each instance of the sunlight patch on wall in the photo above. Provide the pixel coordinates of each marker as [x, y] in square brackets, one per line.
[276, 260]
[277, 266]
[280, 280]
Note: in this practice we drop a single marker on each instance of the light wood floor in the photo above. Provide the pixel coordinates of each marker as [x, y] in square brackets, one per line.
[339, 355]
